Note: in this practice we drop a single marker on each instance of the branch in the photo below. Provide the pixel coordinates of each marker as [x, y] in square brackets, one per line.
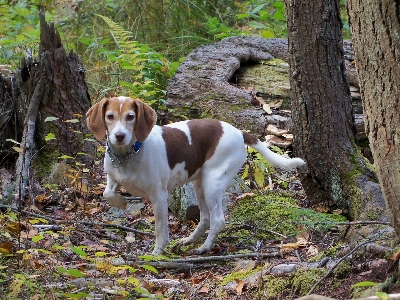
[364, 223]
[201, 259]
[80, 222]
[340, 260]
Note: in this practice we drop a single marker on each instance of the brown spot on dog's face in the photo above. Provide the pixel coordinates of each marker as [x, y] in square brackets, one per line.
[205, 135]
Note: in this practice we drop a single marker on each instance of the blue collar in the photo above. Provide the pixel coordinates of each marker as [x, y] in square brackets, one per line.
[136, 146]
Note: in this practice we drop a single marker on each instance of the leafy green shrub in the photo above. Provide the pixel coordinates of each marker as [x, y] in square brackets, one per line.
[19, 31]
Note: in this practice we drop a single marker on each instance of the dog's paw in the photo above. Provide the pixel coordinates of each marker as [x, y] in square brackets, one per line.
[200, 250]
[184, 241]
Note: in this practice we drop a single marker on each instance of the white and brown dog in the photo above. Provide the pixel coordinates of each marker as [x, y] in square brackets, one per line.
[207, 152]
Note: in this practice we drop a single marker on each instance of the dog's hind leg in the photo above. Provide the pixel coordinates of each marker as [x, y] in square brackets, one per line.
[204, 215]
[214, 186]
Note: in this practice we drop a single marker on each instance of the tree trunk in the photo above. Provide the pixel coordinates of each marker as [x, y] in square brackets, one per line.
[375, 27]
[336, 174]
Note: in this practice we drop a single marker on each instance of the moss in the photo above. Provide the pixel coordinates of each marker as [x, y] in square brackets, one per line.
[298, 283]
[241, 274]
[273, 210]
[342, 270]
[272, 287]
[303, 280]
[330, 252]
[43, 165]
[270, 78]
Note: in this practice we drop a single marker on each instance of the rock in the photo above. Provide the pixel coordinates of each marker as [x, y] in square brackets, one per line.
[284, 268]
[183, 203]
[58, 174]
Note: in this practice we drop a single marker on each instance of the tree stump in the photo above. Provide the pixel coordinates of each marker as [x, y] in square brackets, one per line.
[50, 85]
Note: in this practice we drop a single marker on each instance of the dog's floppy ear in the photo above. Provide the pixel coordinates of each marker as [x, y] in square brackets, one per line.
[95, 119]
[145, 119]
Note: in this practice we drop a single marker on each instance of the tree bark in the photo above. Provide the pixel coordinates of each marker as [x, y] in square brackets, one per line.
[375, 27]
[322, 111]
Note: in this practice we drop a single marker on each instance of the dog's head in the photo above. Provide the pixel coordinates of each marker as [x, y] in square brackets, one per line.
[123, 118]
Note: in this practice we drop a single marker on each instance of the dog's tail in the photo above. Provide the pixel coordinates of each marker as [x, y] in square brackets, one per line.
[274, 158]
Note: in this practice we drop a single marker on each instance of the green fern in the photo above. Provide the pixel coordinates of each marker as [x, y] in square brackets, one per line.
[142, 73]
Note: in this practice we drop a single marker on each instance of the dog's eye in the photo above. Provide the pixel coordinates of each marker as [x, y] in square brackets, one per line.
[110, 117]
[130, 117]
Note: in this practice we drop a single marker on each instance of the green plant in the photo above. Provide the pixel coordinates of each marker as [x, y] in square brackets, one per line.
[136, 70]
[129, 284]
[264, 18]
[19, 33]
[268, 19]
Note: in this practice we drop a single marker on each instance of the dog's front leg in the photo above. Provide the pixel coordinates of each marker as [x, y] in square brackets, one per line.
[111, 195]
[160, 209]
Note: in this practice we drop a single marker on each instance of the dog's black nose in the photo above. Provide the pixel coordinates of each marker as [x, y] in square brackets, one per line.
[120, 136]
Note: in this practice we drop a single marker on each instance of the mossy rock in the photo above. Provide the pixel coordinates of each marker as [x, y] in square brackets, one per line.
[252, 216]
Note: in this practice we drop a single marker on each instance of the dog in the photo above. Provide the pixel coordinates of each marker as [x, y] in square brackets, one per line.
[150, 161]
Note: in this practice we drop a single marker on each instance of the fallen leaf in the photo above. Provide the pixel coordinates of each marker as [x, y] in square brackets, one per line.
[276, 104]
[244, 195]
[267, 109]
[240, 285]
[312, 251]
[13, 227]
[5, 248]
[337, 211]
[261, 100]
[302, 238]
[204, 289]
[321, 208]
[29, 234]
[365, 273]
[80, 201]
[291, 246]
[93, 211]
[395, 256]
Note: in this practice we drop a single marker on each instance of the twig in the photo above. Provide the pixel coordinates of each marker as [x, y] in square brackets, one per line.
[260, 229]
[80, 222]
[216, 257]
[364, 223]
[334, 266]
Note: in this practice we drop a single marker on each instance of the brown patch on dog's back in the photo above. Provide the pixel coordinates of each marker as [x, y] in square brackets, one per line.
[249, 139]
[205, 135]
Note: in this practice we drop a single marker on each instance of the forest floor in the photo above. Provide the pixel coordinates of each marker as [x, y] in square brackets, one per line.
[71, 245]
